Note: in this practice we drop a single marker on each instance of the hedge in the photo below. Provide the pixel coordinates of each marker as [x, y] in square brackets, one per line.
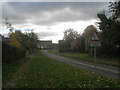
[11, 54]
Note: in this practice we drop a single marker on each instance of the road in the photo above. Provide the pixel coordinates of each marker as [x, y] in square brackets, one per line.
[100, 68]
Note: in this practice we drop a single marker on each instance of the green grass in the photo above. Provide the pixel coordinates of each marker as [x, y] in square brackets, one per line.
[89, 58]
[44, 72]
[8, 70]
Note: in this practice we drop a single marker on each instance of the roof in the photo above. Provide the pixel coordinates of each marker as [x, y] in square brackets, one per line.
[46, 42]
[89, 31]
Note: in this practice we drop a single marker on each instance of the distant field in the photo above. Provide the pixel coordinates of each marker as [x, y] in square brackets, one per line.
[89, 58]
[44, 72]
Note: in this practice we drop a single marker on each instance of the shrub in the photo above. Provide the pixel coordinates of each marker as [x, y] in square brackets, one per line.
[11, 54]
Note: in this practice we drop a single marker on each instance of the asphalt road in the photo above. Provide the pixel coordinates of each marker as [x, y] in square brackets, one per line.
[100, 68]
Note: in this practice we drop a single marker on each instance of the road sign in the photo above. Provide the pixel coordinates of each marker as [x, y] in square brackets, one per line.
[95, 37]
[95, 42]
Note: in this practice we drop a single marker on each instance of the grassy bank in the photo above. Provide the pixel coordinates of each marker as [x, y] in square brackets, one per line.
[89, 58]
[8, 70]
[44, 72]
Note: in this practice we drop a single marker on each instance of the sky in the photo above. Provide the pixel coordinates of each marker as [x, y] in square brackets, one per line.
[50, 19]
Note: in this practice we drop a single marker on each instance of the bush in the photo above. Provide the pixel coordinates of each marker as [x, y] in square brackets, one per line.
[11, 54]
[107, 51]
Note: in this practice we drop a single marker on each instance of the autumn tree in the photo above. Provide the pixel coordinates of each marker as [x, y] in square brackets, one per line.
[18, 44]
[16, 38]
[9, 25]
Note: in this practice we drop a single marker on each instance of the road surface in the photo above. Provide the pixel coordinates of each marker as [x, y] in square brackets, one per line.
[100, 68]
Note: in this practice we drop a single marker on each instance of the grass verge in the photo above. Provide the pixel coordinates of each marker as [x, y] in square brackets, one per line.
[89, 58]
[44, 72]
[8, 70]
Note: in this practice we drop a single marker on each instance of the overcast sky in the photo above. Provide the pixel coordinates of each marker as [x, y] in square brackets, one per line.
[50, 19]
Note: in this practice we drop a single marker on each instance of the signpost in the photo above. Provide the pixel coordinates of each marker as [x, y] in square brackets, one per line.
[95, 42]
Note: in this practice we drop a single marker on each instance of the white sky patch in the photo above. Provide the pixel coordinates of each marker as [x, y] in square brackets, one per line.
[59, 28]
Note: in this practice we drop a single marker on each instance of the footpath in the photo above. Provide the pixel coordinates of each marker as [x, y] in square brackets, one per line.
[18, 74]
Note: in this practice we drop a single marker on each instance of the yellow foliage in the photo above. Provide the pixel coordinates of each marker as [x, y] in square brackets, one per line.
[14, 41]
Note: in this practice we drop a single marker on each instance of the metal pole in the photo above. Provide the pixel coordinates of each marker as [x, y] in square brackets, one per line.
[95, 61]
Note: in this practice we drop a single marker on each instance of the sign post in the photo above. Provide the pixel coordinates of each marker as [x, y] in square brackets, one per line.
[95, 42]
[95, 60]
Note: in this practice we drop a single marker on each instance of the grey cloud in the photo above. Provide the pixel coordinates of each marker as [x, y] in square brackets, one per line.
[50, 13]
[46, 34]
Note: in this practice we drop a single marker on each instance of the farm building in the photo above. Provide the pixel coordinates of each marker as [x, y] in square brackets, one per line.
[47, 44]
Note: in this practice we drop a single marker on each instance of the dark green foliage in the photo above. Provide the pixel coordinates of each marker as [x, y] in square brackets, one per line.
[70, 35]
[11, 54]
[72, 41]
[110, 27]
[63, 46]
[114, 7]
[32, 37]
[80, 44]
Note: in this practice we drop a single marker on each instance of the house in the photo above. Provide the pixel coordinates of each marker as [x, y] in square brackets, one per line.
[82, 42]
[46, 44]
[87, 34]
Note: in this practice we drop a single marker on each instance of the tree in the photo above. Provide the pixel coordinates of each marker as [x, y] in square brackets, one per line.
[9, 25]
[26, 41]
[62, 46]
[80, 44]
[114, 7]
[69, 36]
[33, 40]
[15, 38]
[110, 28]
[104, 26]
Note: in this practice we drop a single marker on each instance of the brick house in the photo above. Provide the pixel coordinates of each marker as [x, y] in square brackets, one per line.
[87, 34]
